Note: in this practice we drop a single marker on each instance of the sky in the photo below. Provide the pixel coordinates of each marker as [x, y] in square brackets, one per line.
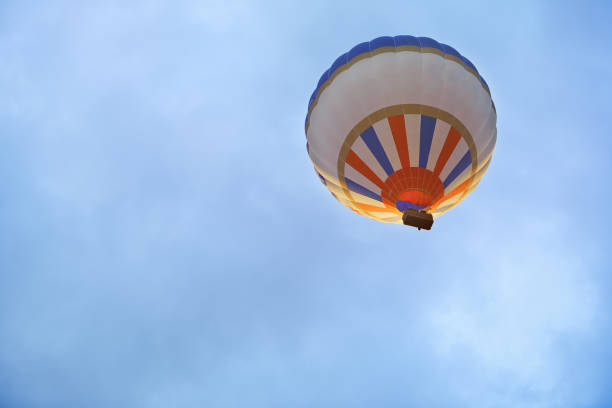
[165, 241]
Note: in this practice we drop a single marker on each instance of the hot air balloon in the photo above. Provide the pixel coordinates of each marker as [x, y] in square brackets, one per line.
[401, 129]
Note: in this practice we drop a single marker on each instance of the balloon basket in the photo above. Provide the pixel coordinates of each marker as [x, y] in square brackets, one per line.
[417, 219]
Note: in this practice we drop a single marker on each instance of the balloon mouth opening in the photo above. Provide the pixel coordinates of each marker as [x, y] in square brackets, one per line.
[414, 199]
[404, 205]
[412, 188]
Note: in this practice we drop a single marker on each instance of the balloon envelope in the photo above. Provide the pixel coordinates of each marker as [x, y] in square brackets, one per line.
[401, 123]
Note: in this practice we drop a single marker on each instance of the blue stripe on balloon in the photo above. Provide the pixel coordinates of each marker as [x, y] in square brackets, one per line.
[451, 51]
[371, 140]
[313, 96]
[404, 205]
[402, 40]
[359, 189]
[487, 85]
[428, 124]
[340, 61]
[462, 165]
[357, 50]
[322, 80]
[468, 63]
[381, 42]
[429, 43]
[322, 179]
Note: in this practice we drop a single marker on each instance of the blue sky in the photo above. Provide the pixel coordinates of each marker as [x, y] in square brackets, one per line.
[166, 242]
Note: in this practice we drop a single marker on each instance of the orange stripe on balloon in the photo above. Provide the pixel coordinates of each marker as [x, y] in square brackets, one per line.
[452, 139]
[355, 162]
[398, 129]
[373, 208]
[458, 190]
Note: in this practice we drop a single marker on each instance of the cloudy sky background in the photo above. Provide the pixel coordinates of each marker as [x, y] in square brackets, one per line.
[165, 241]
